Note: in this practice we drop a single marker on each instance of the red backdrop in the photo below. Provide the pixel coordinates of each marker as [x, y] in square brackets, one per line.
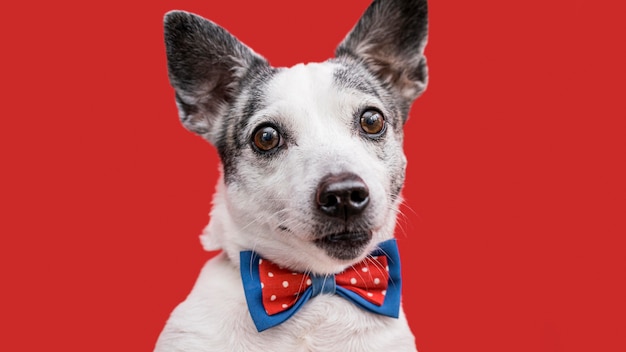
[513, 229]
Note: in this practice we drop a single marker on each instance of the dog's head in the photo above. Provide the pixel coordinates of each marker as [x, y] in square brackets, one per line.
[312, 160]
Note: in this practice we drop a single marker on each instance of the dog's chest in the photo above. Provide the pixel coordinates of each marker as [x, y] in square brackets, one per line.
[330, 323]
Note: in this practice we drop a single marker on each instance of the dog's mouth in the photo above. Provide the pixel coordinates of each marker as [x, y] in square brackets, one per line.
[344, 245]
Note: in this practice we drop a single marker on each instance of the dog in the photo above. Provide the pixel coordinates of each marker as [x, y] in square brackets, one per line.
[311, 173]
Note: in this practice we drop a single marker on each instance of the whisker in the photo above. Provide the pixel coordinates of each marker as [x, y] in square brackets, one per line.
[376, 263]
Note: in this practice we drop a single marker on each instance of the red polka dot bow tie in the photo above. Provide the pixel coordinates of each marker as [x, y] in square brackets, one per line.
[274, 294]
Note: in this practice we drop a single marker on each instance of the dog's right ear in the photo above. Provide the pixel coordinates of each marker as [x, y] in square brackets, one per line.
[206, 65]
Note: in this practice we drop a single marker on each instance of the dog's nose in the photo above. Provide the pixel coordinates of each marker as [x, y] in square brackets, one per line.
[342, 195]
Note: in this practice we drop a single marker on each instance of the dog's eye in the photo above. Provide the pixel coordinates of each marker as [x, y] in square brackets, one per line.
[266, 138]
[372, 122]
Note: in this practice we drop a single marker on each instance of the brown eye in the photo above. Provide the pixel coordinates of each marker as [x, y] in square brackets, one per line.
[372, 122]
[266, 138]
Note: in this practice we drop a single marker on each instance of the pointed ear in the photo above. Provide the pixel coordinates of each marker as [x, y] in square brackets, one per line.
[206, 65]
[389, 39]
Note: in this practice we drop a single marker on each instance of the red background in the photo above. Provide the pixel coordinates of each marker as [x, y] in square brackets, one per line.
[513, 234]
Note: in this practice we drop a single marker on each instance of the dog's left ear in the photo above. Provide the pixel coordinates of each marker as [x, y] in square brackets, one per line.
[389, 39]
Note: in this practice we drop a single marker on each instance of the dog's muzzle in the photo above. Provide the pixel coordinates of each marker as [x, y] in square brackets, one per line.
[342, 199]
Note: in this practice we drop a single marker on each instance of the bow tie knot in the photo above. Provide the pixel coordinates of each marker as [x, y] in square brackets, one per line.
[274, 294]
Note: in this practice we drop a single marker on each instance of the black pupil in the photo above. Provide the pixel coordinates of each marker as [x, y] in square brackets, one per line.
[372, 119]
[268, 135]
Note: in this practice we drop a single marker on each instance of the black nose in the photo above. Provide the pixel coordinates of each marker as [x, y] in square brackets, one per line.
[342, 195]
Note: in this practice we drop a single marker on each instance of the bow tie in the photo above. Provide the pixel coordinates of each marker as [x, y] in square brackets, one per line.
[275, 294]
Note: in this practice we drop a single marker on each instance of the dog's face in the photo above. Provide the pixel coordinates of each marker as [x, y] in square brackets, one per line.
[312, 155]
[316, 164]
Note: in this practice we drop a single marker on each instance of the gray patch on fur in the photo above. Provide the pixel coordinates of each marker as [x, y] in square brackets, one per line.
[230, 141]
[353, 77]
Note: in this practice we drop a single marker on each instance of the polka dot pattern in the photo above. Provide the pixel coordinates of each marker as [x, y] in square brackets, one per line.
[281, 288]
[368, 279]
